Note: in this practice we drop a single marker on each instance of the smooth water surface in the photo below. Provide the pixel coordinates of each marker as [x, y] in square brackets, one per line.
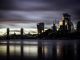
[40, 49]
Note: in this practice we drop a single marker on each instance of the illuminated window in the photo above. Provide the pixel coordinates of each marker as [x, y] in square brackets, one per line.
[60, 23]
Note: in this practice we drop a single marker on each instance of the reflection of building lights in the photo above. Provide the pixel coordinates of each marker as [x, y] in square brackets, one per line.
[3, 49]
[31, 51]
[15, 50]
[75, 48]
[59, 49]
[45, 50]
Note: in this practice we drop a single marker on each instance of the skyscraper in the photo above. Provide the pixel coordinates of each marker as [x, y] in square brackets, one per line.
[40, 28]
[54, 28]
[8, 31]
[65, 23]
[22, 33]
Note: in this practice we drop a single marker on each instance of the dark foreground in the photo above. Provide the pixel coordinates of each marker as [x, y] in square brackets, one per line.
[40, 50]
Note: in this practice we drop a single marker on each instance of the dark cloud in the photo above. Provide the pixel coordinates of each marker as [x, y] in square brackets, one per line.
[5, 4]
[30, 16]
[39, 4]
[70, 6]
[77, 14]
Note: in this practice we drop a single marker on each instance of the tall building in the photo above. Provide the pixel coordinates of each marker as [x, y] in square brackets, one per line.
[63, 26]
[65, 23]
[40, 28]
[54, 28]
[22, 32]
[8, 30]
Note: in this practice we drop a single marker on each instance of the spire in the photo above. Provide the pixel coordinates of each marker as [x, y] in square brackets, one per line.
[54, 26]
[54, 22]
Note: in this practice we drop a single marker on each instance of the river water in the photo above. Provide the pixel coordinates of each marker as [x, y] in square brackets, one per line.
[39, 49]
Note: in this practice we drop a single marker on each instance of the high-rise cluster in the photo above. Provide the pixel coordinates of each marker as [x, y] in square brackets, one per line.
[40, 28]
[65, 25]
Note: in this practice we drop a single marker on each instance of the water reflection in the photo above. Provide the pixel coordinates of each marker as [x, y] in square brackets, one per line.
[30, 51]
[30, 48]
[49, 49]
[59, 48]
[14, 49]
[45, 50]
[3, 50]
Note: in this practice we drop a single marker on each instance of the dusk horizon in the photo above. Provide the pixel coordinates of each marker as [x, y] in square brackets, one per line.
[27, 13]
[39, 29]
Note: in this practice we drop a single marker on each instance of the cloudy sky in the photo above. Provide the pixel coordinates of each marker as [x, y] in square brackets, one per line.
[27, 13]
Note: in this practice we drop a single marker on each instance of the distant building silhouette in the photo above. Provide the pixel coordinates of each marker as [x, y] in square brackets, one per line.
[21, 32]
[54, 28]
[65, 23]
[40, 28]
[8, 30]
[63, 27]
[78, 26]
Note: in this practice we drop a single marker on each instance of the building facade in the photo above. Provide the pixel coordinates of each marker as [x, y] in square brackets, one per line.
[65, 24]
[40, 28]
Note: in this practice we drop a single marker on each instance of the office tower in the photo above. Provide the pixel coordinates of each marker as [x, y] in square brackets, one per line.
[65, 23]
[21, 32]
[40, 28]
[8, 32]
[54, 28]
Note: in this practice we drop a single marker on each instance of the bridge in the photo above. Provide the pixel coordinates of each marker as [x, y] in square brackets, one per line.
[8, 32]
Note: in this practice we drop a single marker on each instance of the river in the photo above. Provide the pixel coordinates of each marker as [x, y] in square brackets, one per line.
[39, 49]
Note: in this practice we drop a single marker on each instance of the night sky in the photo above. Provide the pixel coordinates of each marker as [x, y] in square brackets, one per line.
[27, 13]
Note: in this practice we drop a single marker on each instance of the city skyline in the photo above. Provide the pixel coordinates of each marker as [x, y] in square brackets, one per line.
[27, 13]
[15, 13]
[33, 29]
[39, 29]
